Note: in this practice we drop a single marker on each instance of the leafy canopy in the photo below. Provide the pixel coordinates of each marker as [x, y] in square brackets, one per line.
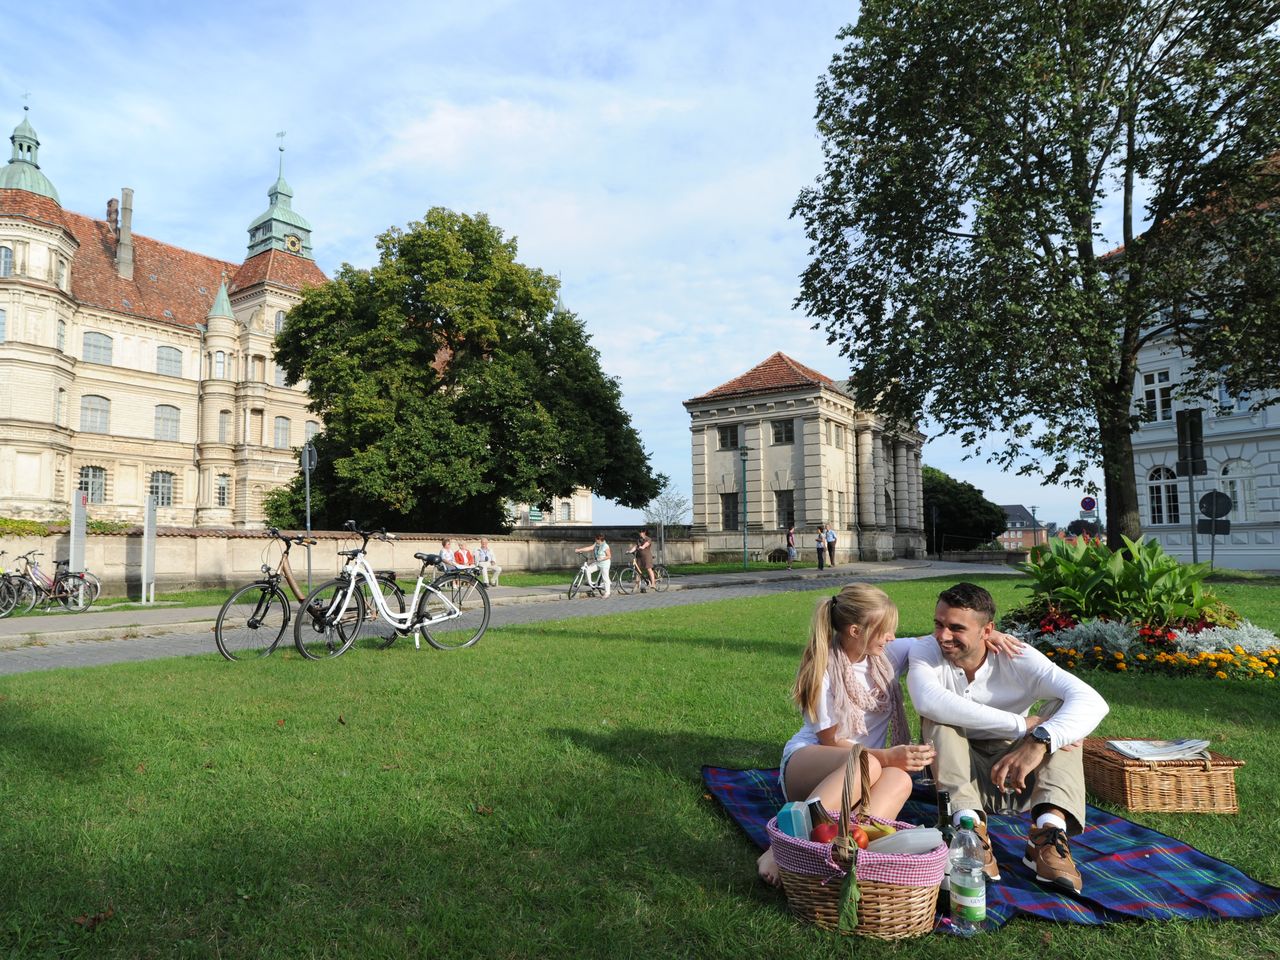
[974, 153]
[450, 384]
[965, 518]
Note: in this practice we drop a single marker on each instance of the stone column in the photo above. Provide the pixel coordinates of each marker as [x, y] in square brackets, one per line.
[866, 479]
[809, 508]
[901, 487]
[882, 476]
[701, 486]
[917, 491]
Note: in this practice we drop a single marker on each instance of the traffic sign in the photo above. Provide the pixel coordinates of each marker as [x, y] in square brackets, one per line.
[1088, 505]
[1215, 504]
[1213, 527]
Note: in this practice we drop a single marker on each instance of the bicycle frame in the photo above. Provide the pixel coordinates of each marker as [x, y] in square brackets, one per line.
[357, 569]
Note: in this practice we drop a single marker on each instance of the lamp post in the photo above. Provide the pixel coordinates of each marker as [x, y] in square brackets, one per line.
[1035, 529]
[742, 454]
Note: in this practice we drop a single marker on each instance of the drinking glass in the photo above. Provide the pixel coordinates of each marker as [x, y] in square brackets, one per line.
[1008, 806]
[926, 775]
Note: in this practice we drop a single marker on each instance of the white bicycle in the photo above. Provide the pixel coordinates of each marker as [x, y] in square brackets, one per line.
[451, 611]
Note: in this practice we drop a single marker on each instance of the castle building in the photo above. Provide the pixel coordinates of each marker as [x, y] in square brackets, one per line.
[783, 444]
[130, 367]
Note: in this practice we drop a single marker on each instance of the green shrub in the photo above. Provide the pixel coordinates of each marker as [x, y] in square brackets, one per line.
[22, 528]
[108, 526]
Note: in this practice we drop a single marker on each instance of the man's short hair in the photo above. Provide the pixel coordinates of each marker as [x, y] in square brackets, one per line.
[969, 596]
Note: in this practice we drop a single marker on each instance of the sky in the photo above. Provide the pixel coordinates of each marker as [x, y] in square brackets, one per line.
[649, 154]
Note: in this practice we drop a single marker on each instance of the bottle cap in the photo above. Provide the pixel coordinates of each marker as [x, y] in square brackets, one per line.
[966, 823]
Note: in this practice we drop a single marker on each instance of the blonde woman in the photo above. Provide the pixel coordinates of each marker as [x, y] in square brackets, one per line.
[848, 691]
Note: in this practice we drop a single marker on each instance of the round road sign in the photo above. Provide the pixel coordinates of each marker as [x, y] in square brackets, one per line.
[1088, 503]
[1215, 505]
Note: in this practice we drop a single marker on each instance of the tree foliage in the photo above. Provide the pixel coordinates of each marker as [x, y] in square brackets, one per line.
[1086, 528]
[451, 383]
[977, 155]
[965, 518]
[670, 508]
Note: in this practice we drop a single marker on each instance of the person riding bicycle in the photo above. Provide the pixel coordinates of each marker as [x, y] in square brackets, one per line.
[643, 559]
[601, 557]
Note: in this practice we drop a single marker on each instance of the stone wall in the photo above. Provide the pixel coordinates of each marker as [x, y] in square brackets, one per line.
[192, 558]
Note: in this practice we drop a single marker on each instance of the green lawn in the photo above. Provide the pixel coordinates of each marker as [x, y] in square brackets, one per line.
[536, 796]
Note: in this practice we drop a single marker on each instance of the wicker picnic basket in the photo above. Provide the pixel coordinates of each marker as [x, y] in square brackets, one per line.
[897, 893]
[1161, 786]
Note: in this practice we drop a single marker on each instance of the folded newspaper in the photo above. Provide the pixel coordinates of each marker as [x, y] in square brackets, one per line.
[1161, 749]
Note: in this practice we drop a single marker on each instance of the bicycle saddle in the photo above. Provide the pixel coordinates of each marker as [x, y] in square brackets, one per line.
[349, 553]
[428, 558]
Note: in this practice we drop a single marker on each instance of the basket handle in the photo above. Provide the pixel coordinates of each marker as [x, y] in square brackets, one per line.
[857, 768]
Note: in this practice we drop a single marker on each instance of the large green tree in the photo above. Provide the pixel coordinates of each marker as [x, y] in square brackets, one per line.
[977, 154]
[956, 514]
[451, 383]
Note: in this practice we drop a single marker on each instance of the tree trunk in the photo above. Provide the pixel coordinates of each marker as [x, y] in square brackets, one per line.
[1119, 482]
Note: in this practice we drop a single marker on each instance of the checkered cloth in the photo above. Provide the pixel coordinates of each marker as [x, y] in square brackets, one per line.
[1130, 872]
[815, 860]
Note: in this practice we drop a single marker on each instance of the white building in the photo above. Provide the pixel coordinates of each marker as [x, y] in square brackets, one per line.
[1242, 449]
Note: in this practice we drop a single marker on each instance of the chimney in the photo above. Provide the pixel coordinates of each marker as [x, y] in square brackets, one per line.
[124, 249]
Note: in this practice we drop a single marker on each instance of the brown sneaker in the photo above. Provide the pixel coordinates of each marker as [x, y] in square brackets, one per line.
[989, 865]
[1049, 856]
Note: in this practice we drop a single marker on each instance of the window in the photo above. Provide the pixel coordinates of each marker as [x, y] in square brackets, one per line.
[566, 511]
[62, 334]
[2, 326]
[222, 490]
[282, 433]
[1162, 491]
[167, 419]
[60, 275]
[97, 348]
[95, 414]
[60, 407]
[279, 376]
[839, 437]
[224, 426]
[729, 518]
[1157, 395]
[728, 437]
[784, 431]
[279, 320]
[1237, 483]
[219, 365]
[260, 369]
[1229, 403]
[161, 487]
[93, 481]
[169, 361]
[6, 261]
[312, 428]
[785, 503]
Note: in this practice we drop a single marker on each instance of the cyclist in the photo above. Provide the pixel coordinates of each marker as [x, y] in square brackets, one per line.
[643, 551]
[601, 557]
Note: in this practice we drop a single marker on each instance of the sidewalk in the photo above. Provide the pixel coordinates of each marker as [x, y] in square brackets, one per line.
[110, 624]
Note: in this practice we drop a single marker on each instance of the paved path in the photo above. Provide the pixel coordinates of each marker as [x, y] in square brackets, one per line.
[117, 636]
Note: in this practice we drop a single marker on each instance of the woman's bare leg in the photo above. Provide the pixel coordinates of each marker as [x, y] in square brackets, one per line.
[889, 793]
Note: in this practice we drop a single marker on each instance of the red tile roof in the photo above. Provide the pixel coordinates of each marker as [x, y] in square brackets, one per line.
[776, 374]
[169, 285]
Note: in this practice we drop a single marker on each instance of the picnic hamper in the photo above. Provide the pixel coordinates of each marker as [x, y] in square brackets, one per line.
[1160, 786]
[897, 893]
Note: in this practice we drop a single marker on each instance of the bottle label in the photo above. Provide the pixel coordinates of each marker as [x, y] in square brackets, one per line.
[968, 903]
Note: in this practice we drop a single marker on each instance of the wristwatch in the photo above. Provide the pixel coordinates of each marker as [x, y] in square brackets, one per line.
[1040, 735]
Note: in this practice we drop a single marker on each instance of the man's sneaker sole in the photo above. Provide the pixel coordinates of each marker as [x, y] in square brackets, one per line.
[1062, 883]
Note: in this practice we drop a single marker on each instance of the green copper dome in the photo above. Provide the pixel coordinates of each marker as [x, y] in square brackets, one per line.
[221, 304]
[281, 227]
[23, 171]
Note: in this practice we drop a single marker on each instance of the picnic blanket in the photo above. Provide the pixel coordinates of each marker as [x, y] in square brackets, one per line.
[1130, 872]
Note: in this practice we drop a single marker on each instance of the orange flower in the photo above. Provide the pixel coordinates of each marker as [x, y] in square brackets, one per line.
[1220, 675]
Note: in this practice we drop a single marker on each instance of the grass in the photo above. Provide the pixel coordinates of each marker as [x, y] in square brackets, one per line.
[538, 795]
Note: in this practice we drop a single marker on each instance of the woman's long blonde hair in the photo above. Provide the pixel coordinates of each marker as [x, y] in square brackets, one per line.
[874, 613]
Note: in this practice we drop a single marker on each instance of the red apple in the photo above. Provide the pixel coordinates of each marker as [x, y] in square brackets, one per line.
[824, 833]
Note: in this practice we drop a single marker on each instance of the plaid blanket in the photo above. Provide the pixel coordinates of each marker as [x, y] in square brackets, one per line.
[1130, 872]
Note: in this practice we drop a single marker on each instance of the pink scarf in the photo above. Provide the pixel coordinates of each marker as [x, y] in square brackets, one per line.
[854, 699]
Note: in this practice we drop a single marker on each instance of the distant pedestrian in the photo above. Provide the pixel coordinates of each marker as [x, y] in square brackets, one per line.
[791, 545]
[488, 564]
[831, 544]
[821, 543]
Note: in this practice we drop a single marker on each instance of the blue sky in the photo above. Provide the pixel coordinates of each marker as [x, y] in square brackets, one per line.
[648, 153]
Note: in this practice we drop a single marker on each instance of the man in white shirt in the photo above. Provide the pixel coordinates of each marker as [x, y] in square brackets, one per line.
[488, 564]
[976, 709]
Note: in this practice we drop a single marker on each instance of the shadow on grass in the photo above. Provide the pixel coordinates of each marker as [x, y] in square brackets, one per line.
[1206, 704]
[678, 754]
[55, 748]
[784, 647]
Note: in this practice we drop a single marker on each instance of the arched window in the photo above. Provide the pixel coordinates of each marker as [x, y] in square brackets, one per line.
[161, 487]
[279, 320]
[219, 365]
[312, 428]
[224, 426]
[169, 361]
[1237, 483]
[1162, 492]
[97, 348]
[93, 481]
[282, 433]
[566, 511]
[222, 490]
[6, 261]
[167, 419]
[95, 414]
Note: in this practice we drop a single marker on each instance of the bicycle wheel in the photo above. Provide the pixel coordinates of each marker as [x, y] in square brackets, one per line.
[251, 622]
[576, 587]
[27, 596]
[74, 592]
[627, 579]
[8, 597]
[463, 592]
[661, 579]
[93, 583]
[377, 633]
[324, 629]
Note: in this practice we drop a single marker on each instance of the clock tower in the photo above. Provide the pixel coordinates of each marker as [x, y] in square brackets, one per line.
[281, 227]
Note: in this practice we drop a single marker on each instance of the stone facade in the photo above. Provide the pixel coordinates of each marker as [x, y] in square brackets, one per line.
[573, 510]
[130, 367]
[1242, 450]
[789, 441]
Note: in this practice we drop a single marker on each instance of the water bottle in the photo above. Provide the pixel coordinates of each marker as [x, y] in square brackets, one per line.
[968, 882]
[948, 831]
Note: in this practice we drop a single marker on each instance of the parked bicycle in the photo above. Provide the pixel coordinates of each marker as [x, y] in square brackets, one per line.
[450, 611]
[8, 590]
[254, 618]
[629, 578]
[74, 591]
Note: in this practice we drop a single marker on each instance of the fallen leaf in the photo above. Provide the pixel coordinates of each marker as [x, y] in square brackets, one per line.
[1046, 938]
[341, 721]
[481, 809]
[141, 768]
[279, 723]
[89, 922]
